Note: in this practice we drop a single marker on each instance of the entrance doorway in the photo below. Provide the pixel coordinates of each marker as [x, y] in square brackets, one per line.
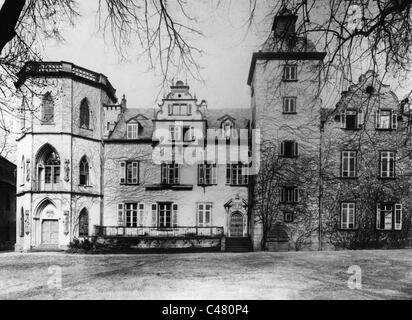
[236, 225]
[50, 232]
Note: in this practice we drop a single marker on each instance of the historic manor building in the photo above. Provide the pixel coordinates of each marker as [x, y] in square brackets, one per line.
[178, 174]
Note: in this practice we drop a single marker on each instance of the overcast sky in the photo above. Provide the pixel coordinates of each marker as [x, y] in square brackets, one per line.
[227, 44]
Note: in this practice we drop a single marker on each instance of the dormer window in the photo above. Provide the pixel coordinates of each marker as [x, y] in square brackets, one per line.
[386, 120]
[132, 130]
[227, 127]
[290, 73]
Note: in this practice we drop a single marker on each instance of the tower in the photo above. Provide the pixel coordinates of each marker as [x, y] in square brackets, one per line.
[59, 191]
[284, 81]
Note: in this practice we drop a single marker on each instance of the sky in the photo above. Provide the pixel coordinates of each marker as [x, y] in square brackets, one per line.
[227, 44]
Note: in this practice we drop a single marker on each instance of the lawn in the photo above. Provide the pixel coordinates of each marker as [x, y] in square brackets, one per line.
[386, 274]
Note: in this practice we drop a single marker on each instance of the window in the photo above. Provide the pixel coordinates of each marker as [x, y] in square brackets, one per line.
[387, 164]
[288, 216]
[348, 164]
[237, 174]
[289, 195]
[83, 223]
[132, 130]
[180, 109]
[84, 114]
[170, 173]
[52, 168]
[389, 216]
[47, 108]
[22, 222]
[386, 120]
[351, 119]
[84, 172]
[347, 215]
[206, 174]
[227, 127]
[204, 214]
[289, 105]
[131, 214]
[167, 215]
[289, 149]
[290, 72]
[129, 172]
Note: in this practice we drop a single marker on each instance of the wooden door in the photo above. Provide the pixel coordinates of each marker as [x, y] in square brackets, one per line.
[236, 225]
[50, 232]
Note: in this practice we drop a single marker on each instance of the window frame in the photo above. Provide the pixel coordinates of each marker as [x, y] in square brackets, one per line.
[84, 114]
[131, 214]
[358, 119]
[205, 179]
[396, 209]
[393, 176]
[47, 115]
[124, 167]
[285, 214]
[393, 120]
[202, 212]
[286, 103]
[294, 148]
[82, 172]
[342, 164]
[169, 174]
[286, 75]
[132, 130]
[294, 195]
[347, 214]
[235, 175]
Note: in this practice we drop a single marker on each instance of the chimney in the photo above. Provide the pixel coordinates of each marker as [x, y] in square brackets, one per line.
[284, 24]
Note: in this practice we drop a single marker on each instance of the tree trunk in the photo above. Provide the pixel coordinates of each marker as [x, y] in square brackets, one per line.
[9, 16]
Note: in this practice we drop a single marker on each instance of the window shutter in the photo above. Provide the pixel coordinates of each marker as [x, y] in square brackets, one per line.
[398, 216]
[228, 180]
[296, 194]
[360, 119]
[141, 214]
[282, 194]
[163, 173]
[377, 116]
[343, 119]
[189, 109]
[200, 175]
[122, 172]
[135, 172]
[296, 149]
[214, 173]
[154, 214]
[120, 214]
[394, 120]
[176, 168]
[174, 215]
[169, 110]
[282, 148]
[378, 216]
[292, 105]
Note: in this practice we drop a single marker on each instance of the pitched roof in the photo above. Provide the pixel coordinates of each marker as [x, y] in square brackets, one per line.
[240, 116]
[142, 115]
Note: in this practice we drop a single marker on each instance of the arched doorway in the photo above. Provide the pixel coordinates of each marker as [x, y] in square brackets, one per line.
[46, 225]
[236, 224]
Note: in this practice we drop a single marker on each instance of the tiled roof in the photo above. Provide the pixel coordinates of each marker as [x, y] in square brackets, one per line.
[240, 116]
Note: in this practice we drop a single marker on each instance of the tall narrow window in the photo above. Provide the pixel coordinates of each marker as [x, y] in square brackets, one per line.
[290, 73]
[129, 172]
[165, 215]
[204, 214]
[23, 171]
[83, 223]
[131, 214]
[347, 215]
[84, 114]
[170, 173]
[207, 174]
[47, 108]
[52, 168]
[84, 172]
[348, 164]
[289, 105]
[387, 164]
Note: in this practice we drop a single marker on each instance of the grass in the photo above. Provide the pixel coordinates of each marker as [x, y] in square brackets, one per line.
[386, 274]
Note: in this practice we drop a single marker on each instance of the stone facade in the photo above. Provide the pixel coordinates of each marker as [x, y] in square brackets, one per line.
[7, 204]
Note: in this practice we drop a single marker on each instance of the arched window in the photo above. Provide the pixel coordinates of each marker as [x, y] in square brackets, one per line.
[22, 171]
[83, 223]
[84, 114]
[22, 222]
[47, 108]
[48, 168]
[84, 171]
